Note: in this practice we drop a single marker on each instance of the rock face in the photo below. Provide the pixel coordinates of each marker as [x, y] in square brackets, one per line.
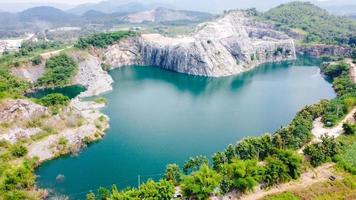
[19, 110]
[229, 45]
[323, 49]
[93, 77]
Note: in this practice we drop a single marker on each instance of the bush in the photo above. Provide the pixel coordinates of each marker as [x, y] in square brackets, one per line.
[200, 184]
[323, 151]
[242, 175]
[54, 99]
[18, 150]
[36, 60]
[349, 129]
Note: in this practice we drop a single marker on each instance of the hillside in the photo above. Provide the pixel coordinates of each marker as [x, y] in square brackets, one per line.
[46, 13]
[164, 15]
[316, 24]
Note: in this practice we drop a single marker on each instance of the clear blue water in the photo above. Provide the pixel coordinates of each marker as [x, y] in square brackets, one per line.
[160, 117]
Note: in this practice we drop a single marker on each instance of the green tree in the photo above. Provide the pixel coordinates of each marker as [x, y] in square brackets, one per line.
[242, 175]
[292, 160]
[173, 173]
[194, 163]
[157, 190]
[54, 99]
[201, 184]
[275, 172]
[90, 196]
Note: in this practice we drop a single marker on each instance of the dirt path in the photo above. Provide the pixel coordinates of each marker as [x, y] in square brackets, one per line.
[307, 179]
[352, 70]
[319, 129]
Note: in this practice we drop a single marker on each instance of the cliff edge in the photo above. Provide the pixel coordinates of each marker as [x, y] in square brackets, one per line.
[231, 44]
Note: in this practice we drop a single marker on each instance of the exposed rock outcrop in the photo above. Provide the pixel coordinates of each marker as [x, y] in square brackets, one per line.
[29, 73]
[93, 77]
[230, 45]
[323, 49]
[19, 110]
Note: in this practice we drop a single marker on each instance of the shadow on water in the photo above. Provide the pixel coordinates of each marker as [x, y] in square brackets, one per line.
[69, 91]
[199, 85]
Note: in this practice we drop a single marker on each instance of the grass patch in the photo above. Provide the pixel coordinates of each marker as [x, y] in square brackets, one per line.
[282, 196]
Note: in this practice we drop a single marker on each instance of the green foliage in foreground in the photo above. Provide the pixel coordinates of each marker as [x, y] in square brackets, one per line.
[59, 71]
[11, 86]
[283, 196]
[16, 180]
[201, 184]
[317, 24]
[103, 40]
[323, 151]
[150, 190]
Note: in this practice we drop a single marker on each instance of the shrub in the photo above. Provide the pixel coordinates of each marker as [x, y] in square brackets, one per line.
[349, 128]
[18, 150]
[54, 99]
[173, 174]
[200, 184]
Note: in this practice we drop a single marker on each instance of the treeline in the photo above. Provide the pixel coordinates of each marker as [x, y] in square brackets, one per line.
[202, 181]
[316, 24]
[102, 40]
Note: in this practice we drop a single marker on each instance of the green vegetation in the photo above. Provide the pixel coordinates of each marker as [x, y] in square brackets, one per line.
[11, 86]
[194, 164]
[150, 190]
[337, 108]
[283, 196]
[100, 100]
[201, 184]
[103, 40]
[242, 175]
[349, 128]
[29, 52]
[173, 174]
[316, 24]
[323, 151]
[341, 188]
[16, 179]
[54, 99]
[59, 71]
[347, 156]
[18, 150]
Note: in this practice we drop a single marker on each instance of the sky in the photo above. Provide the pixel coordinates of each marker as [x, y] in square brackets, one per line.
[215, 6]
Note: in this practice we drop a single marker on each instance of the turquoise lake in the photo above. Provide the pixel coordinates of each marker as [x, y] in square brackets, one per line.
[159, 117]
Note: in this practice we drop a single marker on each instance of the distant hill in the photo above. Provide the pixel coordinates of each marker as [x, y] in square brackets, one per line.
[166, 15]
[315, 23]
[46, 14]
